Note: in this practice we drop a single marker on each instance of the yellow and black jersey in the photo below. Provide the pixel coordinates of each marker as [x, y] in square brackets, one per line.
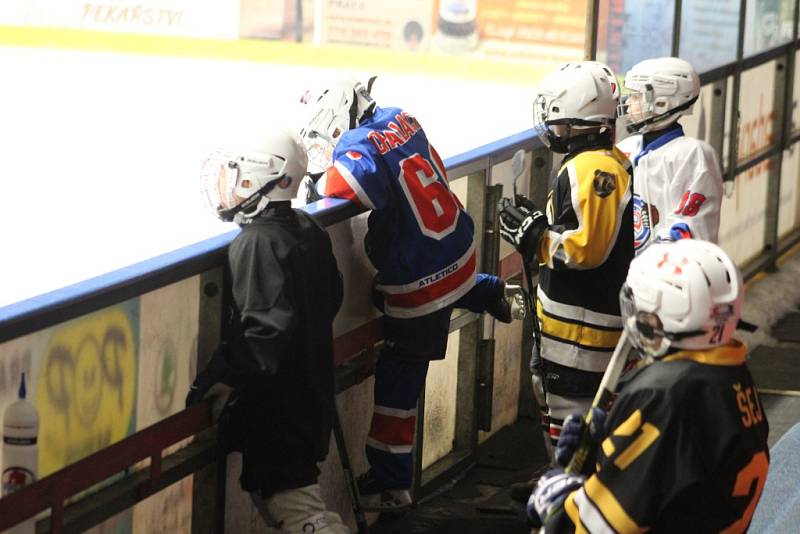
[686, 451]
[584, 256]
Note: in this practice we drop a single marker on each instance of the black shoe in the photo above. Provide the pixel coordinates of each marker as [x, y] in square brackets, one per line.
[521, 491]
[378, 497]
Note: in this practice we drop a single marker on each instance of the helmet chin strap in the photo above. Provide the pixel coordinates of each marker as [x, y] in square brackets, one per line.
[241, 214]
[637, 127]
[247, 218]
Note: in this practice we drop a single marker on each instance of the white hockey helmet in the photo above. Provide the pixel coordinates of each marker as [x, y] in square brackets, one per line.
[603, 69]
[333, 110]
[683, 295]
[658, 92]
[577, 96]
[238, 182]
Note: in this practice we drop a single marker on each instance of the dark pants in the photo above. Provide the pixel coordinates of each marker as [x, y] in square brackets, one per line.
[399, 378]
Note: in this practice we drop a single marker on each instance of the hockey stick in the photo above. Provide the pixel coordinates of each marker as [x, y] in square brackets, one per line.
[602, 399]
[517, 168]
[358, 512]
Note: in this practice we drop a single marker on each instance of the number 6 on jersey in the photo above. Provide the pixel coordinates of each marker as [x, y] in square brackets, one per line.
[435, 207]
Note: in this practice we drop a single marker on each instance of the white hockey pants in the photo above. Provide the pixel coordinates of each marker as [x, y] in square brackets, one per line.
[300, 511]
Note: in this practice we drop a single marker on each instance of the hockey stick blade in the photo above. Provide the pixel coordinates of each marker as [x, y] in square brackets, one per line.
[602, 400]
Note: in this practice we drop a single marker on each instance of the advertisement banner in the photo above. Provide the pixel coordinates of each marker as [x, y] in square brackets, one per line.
[185, 18]
[383, 23]
[557, 24]
[276, 19]
[534, 32]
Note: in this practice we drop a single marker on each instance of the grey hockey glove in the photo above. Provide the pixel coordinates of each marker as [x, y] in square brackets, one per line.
[522, 225]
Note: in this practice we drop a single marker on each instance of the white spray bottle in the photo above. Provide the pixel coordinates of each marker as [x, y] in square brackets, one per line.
[20, 451]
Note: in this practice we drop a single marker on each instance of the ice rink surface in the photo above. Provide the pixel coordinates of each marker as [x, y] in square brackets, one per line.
[100, 152]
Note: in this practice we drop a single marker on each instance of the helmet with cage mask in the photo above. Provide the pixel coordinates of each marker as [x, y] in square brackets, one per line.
[576, 99]
[682, 295]
[238, 182]
[333, 111]
[657, 93]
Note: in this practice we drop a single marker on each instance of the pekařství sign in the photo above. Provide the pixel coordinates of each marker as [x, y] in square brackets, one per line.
[185, 18]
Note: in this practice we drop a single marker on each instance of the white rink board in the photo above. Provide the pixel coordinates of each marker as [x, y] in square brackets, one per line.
[118, 141]
[743, 219]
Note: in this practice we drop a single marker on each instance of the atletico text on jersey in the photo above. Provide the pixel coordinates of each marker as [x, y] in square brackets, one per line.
[585, 254]
[685, 451]
[678, 189]
[420, 237]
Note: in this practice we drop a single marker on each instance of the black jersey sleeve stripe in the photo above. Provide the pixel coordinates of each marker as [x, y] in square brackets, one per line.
[576, 344]
[577, 322]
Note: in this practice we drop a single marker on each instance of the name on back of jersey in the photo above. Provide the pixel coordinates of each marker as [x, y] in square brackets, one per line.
[397, 134]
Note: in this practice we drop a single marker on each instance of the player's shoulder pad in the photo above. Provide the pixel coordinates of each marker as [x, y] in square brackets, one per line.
[670, 380]
[248, 240]
[605, 160]
[354, 145]
[685, 146]
[606, 169]
[691, 152]
[631, 145]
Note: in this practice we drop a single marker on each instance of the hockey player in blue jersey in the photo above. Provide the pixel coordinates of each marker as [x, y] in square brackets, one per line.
[420, 241]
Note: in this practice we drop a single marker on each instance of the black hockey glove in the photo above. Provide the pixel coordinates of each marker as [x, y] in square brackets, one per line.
[522, 225]
[213, 382]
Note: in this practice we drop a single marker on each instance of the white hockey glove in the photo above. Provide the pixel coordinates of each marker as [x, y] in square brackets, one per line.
[522, 225]
[516, 297]
[550, 493]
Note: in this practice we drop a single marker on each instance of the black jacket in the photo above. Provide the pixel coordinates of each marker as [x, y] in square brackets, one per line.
[286, 291]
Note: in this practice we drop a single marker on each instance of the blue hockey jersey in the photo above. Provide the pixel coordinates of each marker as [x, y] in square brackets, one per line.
[420, 238]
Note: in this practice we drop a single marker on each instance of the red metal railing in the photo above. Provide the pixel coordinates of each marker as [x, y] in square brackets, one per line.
[53, 490]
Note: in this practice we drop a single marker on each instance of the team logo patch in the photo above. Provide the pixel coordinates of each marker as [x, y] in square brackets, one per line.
[355, 156]
[604, 183]
[641, 222]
